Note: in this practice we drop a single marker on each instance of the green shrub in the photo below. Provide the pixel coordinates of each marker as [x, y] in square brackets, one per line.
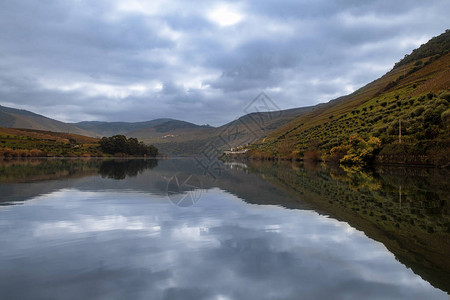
[445, 118]
[361, 152]
[431, 132]
[446, 96]
[441, 102]
[432, 116]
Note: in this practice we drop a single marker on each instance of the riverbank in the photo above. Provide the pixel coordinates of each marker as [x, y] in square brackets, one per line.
[437, 159]
[23, 143]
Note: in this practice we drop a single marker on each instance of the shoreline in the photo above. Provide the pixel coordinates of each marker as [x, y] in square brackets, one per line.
[376, 161]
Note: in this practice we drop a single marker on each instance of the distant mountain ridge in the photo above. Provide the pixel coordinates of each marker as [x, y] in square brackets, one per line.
[240, 132]
[19, 118]
[126, 128]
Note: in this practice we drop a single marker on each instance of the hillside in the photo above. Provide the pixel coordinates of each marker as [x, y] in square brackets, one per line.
[18, 118]
[240, 132]
[37, 143]
[415, 94]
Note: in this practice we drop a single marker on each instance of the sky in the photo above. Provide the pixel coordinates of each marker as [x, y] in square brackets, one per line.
[199, 61]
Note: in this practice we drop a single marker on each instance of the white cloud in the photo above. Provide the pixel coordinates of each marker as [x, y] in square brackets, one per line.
[143, 7]
[225, 15]
[90, 89]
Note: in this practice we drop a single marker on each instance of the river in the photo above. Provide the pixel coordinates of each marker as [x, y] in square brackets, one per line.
[167, 229]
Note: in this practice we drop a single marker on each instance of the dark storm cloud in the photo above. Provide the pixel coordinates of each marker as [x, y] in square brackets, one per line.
[202, 62]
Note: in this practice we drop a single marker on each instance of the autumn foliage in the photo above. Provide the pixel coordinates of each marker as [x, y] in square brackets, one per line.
[361, 152]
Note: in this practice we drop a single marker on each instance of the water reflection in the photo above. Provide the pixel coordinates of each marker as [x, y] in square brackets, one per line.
[89, 235]
[120, 169]
[407, 209]
[26, 170]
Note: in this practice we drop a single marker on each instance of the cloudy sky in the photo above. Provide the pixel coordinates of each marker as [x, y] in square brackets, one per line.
[199, 61]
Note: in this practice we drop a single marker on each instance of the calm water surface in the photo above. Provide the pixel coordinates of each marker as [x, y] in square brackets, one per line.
[110, 230]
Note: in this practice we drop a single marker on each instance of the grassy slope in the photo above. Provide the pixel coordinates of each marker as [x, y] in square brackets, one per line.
[48, 143]
[375, 109]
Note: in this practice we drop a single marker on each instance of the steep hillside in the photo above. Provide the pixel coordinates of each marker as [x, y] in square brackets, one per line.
[18, 118]
[438, 45]
[413, 95]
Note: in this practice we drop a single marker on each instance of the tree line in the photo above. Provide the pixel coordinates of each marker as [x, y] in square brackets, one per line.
[120, 144]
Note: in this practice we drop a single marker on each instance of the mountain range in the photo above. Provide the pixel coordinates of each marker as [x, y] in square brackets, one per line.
[174, 137]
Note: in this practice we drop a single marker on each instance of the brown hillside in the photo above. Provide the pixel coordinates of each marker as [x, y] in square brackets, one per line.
[48, 135]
